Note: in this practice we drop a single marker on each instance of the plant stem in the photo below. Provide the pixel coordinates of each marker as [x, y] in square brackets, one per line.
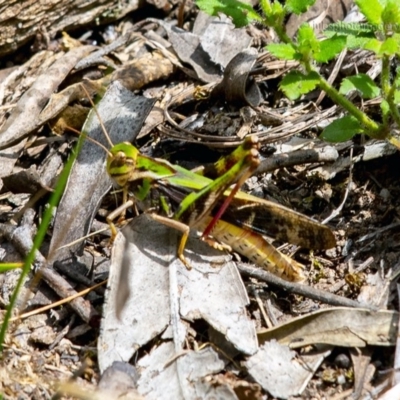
[374, 129]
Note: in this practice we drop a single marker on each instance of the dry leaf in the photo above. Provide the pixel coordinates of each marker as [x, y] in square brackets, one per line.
[348, 327]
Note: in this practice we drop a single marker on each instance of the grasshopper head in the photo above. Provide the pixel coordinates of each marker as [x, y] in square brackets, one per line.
[121, 162]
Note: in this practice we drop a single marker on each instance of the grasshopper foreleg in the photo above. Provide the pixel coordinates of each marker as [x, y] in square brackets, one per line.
[180, 226]
[116, 213]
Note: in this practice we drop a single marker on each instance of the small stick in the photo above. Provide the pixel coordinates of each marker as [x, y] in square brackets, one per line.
[338, 210]
[326, 154]
[300, 289]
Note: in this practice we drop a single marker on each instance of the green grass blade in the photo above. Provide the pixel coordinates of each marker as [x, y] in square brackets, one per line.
[37, 242]
[9, 266]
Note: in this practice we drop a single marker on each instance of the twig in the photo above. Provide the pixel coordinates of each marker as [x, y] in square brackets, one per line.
[267, 320]
[378, 232]
[338, 210]
[325, 155]
[21, 238]
[300, 289]
[59, 303]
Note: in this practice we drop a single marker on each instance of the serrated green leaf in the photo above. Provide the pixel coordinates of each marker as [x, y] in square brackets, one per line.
[345, 28]
[341, 130]
[283, 51]
[295, 84]
[277, 14]
[389, 47]
[307, 41]
[277, 9]
[373, 45]
[361, 82]
[241, 13]
[357, 42]
[372, 9]
[298, 6]
[357, 35]
[329, 48]
[391, 14]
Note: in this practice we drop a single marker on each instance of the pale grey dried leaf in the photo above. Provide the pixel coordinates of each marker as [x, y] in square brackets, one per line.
[156, 291]
[25, 181]
[59, 101]
[10, 89]
[14, 85]
[280, 371]
[123, 115]
[338, 326]
[220, 39]
[24, 118]
[188, 49]
[216, 299]
[118, 380]
[136, 307]
[168, 375]
[212, 45]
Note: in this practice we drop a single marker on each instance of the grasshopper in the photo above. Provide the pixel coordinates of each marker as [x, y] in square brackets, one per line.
[210, 201]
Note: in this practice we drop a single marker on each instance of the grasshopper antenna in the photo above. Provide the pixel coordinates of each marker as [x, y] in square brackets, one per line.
[90, 139]
[98, 116]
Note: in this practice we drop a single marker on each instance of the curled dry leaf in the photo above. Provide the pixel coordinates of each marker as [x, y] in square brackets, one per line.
[338, 327]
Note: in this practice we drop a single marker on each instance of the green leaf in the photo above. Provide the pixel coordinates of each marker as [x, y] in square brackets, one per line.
[356, 34]
[373, 45]
[389, 47]
[372, 9]
[298, 6]
[308, 43]
[294, 84]
[345, 28]
[277, 14]
[391, 14]
[283, 51]
[341, 130]
[361, 82]
[357, 42]
[241, 13]
[329, 48]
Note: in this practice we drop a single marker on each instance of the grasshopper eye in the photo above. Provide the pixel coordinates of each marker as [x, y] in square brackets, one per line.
[119, 159]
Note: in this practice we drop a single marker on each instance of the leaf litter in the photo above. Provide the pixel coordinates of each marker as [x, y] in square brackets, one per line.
[162, 305]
